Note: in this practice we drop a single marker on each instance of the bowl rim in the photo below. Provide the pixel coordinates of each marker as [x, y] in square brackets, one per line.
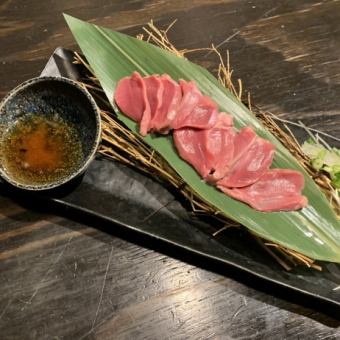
[96, 143]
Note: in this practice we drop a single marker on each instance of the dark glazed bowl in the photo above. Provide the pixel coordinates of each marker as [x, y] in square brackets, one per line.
[45, 96]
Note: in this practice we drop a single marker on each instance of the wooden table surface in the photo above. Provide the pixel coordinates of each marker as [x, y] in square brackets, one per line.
[62, 278]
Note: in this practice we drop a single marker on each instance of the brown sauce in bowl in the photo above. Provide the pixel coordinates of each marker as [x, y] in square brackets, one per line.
[40, 150]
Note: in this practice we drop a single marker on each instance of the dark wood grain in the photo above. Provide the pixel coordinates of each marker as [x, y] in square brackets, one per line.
[67, 279]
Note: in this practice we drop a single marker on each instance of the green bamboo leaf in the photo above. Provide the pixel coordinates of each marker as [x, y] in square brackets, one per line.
[313, 231]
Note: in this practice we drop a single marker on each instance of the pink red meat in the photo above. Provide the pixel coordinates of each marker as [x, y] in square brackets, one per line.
[277, 189]
[130, 96]
[207, 150]
[250, 161]
[195, 110]
[219, 141]
[154, 92]
[237, 163]
[190, 146]
[159, 104]
[172, 95]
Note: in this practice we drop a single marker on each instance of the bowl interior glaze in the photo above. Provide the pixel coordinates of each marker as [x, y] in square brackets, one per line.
[49, 96]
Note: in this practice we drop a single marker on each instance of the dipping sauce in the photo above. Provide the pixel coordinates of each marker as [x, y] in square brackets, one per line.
[40, 150]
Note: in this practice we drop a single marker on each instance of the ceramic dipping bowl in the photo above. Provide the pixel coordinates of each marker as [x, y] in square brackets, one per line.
[48, 96]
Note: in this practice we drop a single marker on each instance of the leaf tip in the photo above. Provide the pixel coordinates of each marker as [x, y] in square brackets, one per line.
[70, 19]
[66, 16]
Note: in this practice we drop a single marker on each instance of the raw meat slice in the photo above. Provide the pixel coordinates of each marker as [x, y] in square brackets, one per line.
[224, 120]
[190, 146]
[242, 142]
[237, 163]
[172, 95]
[142, 100]
[190, 97]
[207, 150]
[277, 189]
[195, 110]
[255, 161]
[219, 144]
[130, 96]
[203, 116]
[154, 91]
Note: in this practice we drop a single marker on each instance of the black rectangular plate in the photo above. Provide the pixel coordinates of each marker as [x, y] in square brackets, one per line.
[125, 197]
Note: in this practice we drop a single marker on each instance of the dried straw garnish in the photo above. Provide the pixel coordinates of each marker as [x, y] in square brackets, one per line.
[120, 143]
